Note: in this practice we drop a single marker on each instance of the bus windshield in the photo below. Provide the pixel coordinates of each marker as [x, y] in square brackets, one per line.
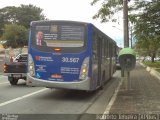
[54, 35]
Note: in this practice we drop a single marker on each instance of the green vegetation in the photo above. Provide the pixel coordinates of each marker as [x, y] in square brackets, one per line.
[15, 23]
[158, 70]
[153, 64]
[146, 22]
[16, 35]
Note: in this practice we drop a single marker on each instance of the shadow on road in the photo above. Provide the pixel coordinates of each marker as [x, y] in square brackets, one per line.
[63, 94]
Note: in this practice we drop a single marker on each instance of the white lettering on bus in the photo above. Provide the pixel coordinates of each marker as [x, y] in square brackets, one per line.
[71, 60]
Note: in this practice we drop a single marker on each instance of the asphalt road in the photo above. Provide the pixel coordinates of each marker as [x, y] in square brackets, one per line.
[36, 103]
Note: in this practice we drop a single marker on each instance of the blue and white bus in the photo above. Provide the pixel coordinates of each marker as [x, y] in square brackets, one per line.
[73, 55]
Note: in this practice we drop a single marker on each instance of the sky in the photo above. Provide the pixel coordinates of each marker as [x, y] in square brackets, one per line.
[75, 10]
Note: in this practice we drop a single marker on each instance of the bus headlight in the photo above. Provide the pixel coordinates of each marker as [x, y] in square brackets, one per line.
[31, 66]
[84, 69]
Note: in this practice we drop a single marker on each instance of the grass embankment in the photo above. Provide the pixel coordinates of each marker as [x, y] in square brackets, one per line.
[158, 70]
[152, 64]
[155, 65]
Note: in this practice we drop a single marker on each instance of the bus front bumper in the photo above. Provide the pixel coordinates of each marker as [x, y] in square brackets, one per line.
[81, 85]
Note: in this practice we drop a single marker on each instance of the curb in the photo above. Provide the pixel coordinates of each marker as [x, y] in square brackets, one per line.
[155, 73]
[152, 71]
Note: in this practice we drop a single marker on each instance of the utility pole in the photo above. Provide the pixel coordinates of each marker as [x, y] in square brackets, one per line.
[131, 36]
[125, 23]
[124, 73]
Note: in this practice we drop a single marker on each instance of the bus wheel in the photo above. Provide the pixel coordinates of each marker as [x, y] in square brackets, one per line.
[12, 80]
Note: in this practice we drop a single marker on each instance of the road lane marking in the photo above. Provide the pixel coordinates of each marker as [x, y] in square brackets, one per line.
[22, 97]
[113, 98]
[4, 83]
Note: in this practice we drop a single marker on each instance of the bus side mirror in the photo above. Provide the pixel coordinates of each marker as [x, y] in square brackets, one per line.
[127, 59]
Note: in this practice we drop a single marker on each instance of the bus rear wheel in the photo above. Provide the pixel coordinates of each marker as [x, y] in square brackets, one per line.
[12, 80]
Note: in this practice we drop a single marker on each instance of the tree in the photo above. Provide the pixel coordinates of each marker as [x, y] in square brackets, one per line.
[147, 30]
[146, 21]
[7, 15]
[28, 13]
[22, 15]
[15, 22]
[16, 36]
[108, 9]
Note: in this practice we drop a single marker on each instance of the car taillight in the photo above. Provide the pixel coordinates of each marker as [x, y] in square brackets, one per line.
[4, 67]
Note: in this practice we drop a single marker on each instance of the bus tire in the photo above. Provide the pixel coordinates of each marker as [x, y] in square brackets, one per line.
[12, 80]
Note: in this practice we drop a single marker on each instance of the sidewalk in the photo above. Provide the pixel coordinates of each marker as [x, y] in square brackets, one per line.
[144, 96]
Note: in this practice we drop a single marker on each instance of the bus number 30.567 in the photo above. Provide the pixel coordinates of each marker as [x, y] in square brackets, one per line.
[72, 60]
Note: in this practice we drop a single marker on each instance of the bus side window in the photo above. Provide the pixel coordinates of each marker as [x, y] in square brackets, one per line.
[103, 48]
[94, 47]
[106, 49]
